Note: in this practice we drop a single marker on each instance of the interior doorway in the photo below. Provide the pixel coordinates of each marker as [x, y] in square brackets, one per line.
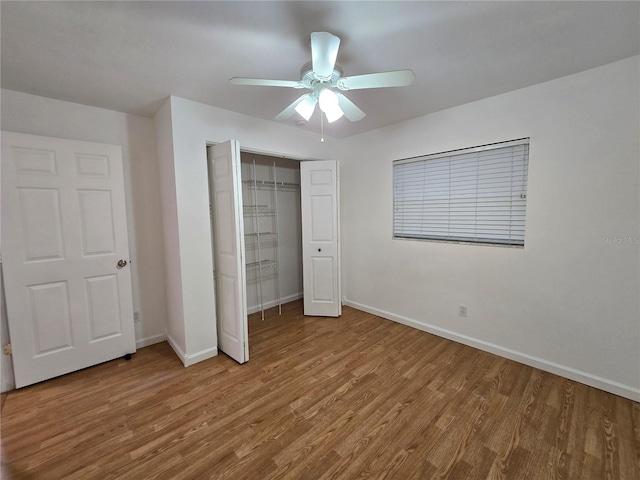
[278, 220]
[273, 231]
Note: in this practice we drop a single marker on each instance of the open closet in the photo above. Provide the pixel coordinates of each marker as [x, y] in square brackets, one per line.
[275, 231]
[272, 230]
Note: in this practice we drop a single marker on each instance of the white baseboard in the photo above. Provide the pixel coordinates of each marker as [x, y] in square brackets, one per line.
[145, 342]
[193, 358]
[273, 303]
[551, 367]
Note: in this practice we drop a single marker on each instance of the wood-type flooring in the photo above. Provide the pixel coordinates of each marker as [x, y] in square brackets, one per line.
[333, 398]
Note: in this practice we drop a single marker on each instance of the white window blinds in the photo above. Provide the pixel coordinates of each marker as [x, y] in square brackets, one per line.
[472, 195]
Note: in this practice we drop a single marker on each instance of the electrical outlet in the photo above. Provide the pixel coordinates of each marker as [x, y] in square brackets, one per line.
[136, 317]
[462, 310]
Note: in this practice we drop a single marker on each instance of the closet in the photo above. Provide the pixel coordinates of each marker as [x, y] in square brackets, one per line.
[272, 229]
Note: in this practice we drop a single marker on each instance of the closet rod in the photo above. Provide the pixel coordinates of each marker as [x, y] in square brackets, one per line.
[272, 183]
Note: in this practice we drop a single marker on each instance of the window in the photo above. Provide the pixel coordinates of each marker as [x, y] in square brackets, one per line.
[474, 195]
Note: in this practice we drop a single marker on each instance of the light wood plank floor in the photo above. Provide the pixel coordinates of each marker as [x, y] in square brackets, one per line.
[347, 398]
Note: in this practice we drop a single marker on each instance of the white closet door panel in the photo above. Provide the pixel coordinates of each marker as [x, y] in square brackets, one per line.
[229, 311]
[322, 219]
[322, 274]
[228, 247]
[320, 238]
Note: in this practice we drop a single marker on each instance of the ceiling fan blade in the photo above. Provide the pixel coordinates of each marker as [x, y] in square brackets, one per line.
[263, 82]
[398, 78]
[350, 109]
[291, 109]
[324, 51]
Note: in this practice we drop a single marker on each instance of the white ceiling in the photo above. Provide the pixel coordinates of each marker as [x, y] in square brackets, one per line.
[129, 56]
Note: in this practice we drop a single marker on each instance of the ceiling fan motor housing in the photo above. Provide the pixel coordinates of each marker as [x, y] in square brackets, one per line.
[310, 80]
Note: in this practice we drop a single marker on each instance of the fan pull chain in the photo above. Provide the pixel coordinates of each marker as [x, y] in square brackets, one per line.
[321, 127]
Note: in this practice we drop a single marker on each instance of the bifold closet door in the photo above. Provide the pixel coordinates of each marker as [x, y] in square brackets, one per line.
[228, 241]
[319, 183]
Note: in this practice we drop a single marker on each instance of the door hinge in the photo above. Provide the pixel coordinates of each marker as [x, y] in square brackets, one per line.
[6, 349]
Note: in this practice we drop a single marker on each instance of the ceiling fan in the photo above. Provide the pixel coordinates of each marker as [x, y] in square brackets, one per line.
[323, 76]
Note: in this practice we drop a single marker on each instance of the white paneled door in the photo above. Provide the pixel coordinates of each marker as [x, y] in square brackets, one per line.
[228, 242]
[320, 235]
[65, 255]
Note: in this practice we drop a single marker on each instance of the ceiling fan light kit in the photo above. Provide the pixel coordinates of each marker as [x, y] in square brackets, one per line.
[306, 106]
[328, 101]
[323, 76]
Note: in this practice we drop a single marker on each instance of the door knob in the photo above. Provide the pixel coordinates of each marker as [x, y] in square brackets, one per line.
[122, 263]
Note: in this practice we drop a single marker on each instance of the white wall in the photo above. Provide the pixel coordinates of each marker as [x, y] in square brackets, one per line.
[569, 301]
[193, 126]
[164, 138]
[54, 118]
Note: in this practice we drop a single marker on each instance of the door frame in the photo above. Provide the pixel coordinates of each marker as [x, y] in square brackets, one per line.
[289, 157]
